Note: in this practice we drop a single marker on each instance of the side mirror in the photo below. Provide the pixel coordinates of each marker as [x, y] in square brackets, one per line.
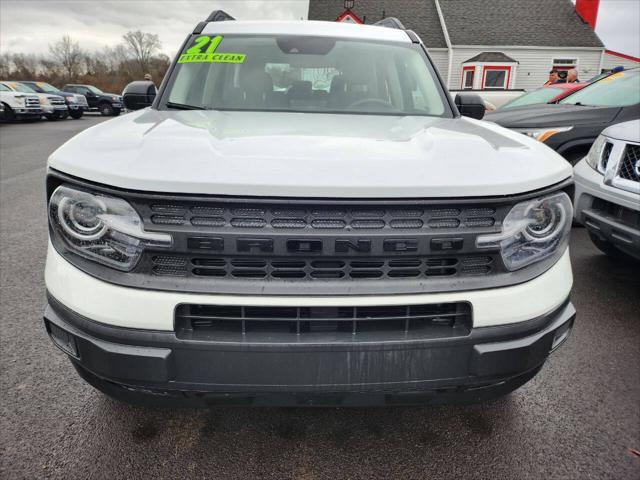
[470, 105]
[139, 94]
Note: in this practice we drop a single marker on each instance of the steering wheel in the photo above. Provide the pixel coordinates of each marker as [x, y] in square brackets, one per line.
[372, 102]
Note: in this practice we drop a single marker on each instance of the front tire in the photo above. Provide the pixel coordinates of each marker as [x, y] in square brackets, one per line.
[9, 114]
[76, 114]
[106, 110]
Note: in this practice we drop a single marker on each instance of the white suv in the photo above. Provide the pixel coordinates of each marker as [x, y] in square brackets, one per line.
[303, 217]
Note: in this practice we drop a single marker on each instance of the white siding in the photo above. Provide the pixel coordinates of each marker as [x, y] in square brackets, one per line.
[534, 63]
[441, 61]
[611, 61]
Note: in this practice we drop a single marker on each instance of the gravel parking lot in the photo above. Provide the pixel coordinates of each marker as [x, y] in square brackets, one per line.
[579, 418]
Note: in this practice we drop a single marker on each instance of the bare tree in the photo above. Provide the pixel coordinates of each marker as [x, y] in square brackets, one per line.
[25, 65]
[142, 46]
[69, 54]
[5, 65]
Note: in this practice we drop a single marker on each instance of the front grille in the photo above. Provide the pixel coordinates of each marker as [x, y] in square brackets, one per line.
[32, 102]
[248, 216]
[318, 268]
[630, 163]
[224, 321]
[57, 101]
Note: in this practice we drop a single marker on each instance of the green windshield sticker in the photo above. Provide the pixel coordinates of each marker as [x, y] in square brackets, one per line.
[195, 53]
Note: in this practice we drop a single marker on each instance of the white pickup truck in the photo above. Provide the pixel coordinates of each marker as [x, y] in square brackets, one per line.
[53, 106]
[16, 105]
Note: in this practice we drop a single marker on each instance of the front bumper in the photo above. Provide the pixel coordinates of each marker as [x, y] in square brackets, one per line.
[27, 111]
[157, 367]
[594, 208]
[124, 341]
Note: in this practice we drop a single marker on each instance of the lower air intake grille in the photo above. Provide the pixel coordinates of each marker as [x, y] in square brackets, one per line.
[221, 321]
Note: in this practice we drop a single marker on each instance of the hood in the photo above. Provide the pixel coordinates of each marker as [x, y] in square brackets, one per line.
[627, 131]
[308, 155]
[552, 115]
[60, 93]
[50, 96]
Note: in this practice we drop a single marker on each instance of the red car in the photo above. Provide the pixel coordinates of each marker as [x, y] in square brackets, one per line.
[548, 94]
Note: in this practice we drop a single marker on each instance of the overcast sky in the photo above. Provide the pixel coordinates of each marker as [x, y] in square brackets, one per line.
[30, 25]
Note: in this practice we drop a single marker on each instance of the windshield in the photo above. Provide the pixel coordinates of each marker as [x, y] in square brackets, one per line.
[95, 90]
[617, 90]
[542, 95]
[309, 74]
[43, 87]
[19, 87]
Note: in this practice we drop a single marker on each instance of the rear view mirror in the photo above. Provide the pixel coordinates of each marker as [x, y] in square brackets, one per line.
[470, 105]
[139, 94]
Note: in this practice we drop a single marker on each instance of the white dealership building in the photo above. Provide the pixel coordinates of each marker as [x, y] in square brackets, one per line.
[501, 44]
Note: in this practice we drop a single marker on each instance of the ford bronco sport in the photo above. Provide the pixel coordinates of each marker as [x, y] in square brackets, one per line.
[303, 217]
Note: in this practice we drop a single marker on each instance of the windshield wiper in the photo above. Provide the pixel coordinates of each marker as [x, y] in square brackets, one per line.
[183, 106]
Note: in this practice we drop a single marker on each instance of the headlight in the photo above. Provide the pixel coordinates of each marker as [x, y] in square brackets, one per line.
[101, 228]
[542, 134]
[71, 99]
[532, 231]
[595, 152]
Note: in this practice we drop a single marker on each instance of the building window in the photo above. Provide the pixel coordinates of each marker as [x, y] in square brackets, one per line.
[564, 63]
[468, 73]
[496, 78]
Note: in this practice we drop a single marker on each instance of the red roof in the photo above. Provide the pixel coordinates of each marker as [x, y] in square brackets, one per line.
[622, 55]
[348, 14]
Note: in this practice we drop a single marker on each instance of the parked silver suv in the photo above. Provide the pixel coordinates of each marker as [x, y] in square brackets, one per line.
[608, 190]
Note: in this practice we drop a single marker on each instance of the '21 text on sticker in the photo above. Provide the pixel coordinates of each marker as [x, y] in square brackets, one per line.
[197, 53]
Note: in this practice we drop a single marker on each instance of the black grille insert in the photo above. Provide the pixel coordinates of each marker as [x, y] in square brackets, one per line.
[214, 321]
[309, 268]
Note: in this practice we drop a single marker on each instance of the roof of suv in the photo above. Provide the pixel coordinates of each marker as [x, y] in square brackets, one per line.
[308, 27]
